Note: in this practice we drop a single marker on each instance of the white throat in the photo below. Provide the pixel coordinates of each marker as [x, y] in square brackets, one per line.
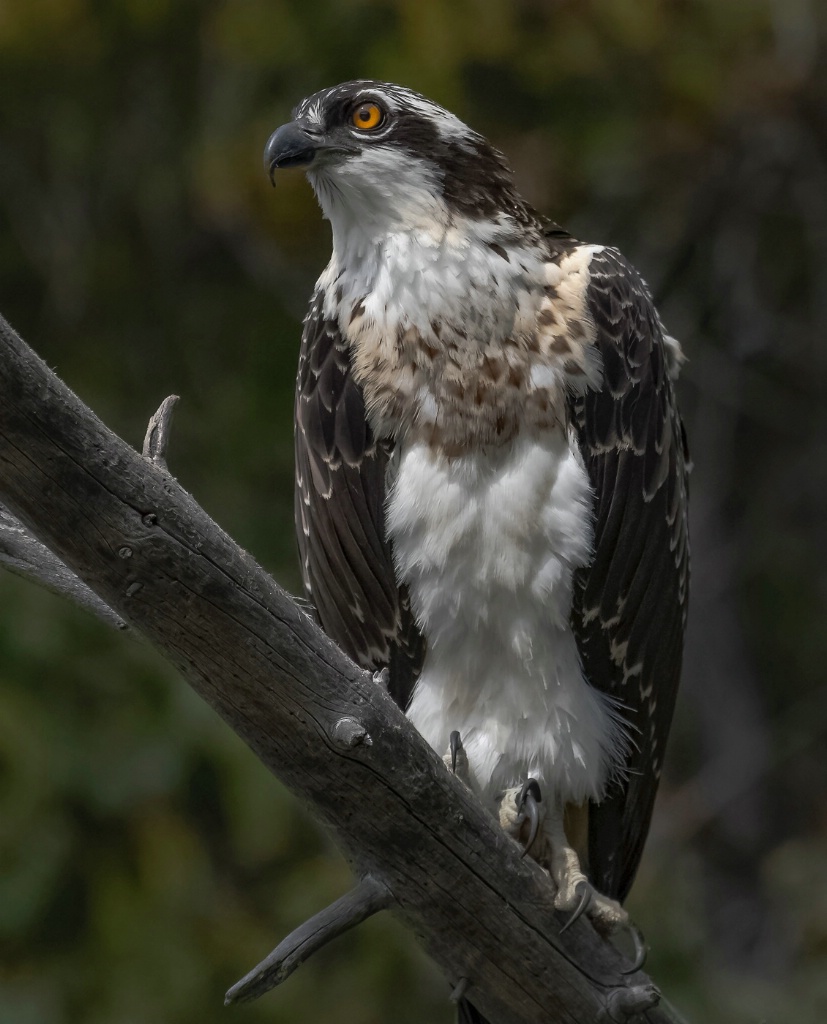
[374, 195]
[415, 266]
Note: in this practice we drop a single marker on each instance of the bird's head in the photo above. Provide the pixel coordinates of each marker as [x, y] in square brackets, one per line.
[381, 158]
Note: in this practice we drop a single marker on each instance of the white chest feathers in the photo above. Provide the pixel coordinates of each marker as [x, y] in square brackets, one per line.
[487, 544]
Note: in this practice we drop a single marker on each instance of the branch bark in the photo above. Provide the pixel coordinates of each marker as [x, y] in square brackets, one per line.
[126, 528]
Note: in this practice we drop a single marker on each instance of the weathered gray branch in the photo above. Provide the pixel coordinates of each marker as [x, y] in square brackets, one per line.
[322, 725]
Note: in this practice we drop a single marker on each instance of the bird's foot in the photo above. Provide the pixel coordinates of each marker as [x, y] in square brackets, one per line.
[457, 760]
[382, 677]
[522, 816]
[577, 896]
[539, 829]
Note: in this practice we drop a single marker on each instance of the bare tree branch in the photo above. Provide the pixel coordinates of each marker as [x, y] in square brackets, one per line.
[321, 724]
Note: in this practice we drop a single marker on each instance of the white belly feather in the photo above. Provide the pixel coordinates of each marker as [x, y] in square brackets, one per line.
[487, 543]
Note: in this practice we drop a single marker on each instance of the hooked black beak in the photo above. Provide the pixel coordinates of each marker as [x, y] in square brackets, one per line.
[289, 146]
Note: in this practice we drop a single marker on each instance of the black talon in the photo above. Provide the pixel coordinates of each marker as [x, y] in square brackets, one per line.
[640, 950]
[532, 786]
[455, 745]
[530, 796]
[582, 906]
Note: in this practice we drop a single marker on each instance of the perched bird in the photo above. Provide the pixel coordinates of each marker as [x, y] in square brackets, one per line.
[491, 478]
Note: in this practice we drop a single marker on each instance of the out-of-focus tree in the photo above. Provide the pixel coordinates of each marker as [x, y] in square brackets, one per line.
[146, 859]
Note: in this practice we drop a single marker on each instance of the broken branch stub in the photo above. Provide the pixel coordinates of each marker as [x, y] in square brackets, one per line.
[366, 899]
[158, 430]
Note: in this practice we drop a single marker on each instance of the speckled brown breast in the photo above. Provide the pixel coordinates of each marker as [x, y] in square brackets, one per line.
[455, 389]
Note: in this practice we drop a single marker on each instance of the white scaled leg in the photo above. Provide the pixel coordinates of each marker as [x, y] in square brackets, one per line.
[538, 826]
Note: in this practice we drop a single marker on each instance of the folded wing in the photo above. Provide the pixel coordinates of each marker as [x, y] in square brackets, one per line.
[630, 604]
[346, 559]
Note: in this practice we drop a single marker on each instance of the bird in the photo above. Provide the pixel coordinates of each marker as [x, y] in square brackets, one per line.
[492, 479]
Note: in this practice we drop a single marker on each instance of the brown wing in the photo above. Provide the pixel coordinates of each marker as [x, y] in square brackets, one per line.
[630, 603]
[346, 560]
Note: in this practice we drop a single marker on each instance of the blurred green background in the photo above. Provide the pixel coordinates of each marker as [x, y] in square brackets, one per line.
[146, 859]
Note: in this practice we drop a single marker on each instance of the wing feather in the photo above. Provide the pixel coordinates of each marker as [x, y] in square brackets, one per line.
[630, 603]
[346, 560]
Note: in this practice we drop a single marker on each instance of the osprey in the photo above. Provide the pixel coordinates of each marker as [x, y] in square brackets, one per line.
[491, 492]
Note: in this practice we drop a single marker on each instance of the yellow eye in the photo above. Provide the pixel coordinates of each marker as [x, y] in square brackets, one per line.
[367, 116]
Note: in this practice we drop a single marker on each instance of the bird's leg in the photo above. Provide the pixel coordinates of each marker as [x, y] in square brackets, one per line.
[575, 893]
[521, 811]
[457, 760]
